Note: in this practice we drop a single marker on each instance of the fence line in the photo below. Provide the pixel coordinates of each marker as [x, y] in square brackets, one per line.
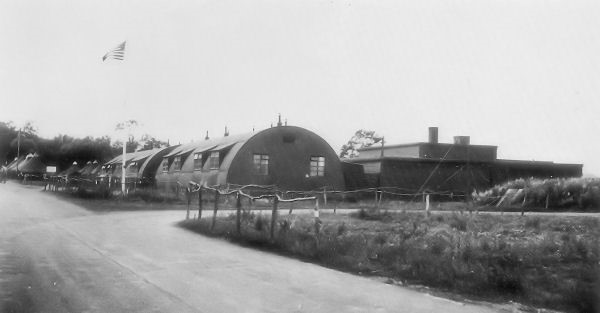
[239, 193]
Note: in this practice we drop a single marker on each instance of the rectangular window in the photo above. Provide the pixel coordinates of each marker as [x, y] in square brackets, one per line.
[197, 161]
[317, 166]
[214, 160]
[165, 165]
[261, 164]
[177, 163]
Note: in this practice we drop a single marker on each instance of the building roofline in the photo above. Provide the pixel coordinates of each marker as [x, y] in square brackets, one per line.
[360, 160]
[527, 162]
[414, 144]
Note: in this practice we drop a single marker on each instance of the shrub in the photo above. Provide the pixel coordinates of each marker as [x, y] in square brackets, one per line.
[582, 193]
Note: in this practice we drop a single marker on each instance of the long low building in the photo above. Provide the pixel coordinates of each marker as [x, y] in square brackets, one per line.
[286, 157]
[289, 157]
[456, 168]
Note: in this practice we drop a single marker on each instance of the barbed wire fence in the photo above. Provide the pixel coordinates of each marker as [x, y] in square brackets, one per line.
[253, 197]
[314, 200]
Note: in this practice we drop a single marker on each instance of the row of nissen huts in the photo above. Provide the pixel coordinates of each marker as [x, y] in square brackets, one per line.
[294, 158]
[289, 157]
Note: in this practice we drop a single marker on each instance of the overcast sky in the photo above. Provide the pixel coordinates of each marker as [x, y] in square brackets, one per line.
[523, 75]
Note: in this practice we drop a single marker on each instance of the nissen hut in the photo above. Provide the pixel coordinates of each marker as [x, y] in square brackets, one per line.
[140, 166]
[289, 157]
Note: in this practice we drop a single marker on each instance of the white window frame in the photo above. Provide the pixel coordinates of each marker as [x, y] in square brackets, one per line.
[317, 166]
[260, 164]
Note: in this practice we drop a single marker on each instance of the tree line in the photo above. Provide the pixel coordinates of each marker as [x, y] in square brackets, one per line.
[63, 150]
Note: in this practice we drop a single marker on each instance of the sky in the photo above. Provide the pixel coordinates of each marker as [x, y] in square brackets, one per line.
[520, 74]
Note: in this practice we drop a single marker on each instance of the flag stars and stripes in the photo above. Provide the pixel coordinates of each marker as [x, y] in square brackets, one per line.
[118, 53]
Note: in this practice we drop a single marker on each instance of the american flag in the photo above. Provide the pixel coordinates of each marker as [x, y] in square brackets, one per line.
[118, 53]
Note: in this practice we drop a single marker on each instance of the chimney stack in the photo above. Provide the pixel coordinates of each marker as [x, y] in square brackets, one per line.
[462, 140]
[206, 138]
[433, 135]
[226, 132]
[279, 120]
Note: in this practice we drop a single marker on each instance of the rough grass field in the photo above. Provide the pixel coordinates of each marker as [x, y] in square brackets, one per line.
[550, 262]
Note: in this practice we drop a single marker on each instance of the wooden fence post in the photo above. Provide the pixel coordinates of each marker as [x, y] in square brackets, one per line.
[188, 196]
[427, 205]
[238, 206]
[325, 196]
[317, 221]
[200, 202]
[214, 220]
[274, 216]
[376, 192]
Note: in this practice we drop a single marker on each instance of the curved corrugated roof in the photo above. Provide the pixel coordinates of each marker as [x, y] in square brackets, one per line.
[150, 164]
[210, 144]
[133, 156]
[142, 155]
[13, 165]
[88, 169]
[119, 158]
[72, 170]
[96, 170]
[32, 165]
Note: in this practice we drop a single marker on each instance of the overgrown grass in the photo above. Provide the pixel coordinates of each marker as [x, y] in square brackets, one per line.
[558, 193]
[542, 261]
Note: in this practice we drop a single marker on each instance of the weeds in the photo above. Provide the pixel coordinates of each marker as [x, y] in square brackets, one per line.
[543, 261]
[458, 222]
[533, 222]
[372, 215]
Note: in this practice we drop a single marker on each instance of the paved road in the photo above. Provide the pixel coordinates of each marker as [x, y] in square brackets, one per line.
[58, 257]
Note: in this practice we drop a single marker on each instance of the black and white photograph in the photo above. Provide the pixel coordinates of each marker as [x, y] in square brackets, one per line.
[317, 156]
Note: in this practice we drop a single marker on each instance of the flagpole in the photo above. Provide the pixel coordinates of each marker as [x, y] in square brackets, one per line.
[118, 53]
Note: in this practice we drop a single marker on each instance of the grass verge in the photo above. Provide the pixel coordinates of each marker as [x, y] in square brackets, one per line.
[547, 262]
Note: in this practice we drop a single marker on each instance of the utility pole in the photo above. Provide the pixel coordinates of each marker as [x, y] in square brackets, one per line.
[123, 162]
[126, 128]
